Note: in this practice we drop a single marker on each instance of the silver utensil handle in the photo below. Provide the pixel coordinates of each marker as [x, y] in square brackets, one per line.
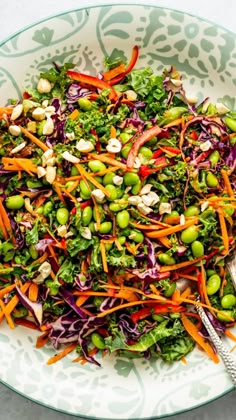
[224, 353]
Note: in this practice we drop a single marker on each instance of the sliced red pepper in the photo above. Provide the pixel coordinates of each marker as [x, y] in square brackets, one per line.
[159, 163]
[73, 211]
[116, 71]
[133, 60]
[93, 81]
[26, 95]
[171, 150]
[157, 153]
[85, 204]
[141, 314]
[141, 140]
[161, 309]
[203, 156]
[193, 135]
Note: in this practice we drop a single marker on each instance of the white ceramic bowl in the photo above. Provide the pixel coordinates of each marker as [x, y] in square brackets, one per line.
[206, 55]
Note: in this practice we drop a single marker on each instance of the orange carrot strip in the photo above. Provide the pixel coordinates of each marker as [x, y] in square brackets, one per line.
[62, 354]
[103, 255]
[34, 139]
[3, 229]
[172, 229]
[165, 268]
[33, 292]
[6, 220]
[125, 305]
[74, 114]
[42, 340]
[189, 277]
[230, 335]
[7, 315]
[41, 259]
[112, 132]
[81, 300]
[5, 110]
[193, 332]
[52, 252]
[176, 295]
[15, 300]
[69, 195]
[6, 290]
[110, 74]
[82, 359]
[58, 191]
[93, 181]
[106, 159]
[228, 186]
[224, 231]
[185, 293]
[233, 348]
[165, 241]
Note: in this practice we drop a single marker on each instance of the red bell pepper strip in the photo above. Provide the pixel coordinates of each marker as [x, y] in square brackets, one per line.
[130, 66]
[155, 309]
[193, 135]
[171, 150]
[157, 153]
[85, 204]
[203, 156]
[93, 81]
[141, 140]
[141, 314]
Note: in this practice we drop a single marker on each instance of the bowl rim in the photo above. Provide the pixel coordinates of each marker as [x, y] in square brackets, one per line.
[95, 5]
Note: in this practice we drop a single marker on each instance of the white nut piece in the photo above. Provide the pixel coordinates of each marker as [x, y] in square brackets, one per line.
[86, 233]
[45, 269]
[84, 146]
[144, 209]
[69, 157]
[45, 103]
[146, 189]
[48, 128]
[182, 220]
[46, 156]
[51, 173]
[28, 206]
[70, 136]
[17, 111]
[154, 196]
[221, 108]
[147, 200]
[205, 146]
[165, 208]
[192, 99]
[134, 200]
[51, 161]
[131, 95]
[14, 130]
[50, 110]
[204, 205]
[176, 82]
[137, 162]
[205, 105]
[62, 231]
[38, 114]
[118, 180]
[44, 86]
[19, 147]
[98, 195]
[41, 171]
[114, 146]
[39, 279]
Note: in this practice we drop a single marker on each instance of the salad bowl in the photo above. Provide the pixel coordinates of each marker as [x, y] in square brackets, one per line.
[205, 55]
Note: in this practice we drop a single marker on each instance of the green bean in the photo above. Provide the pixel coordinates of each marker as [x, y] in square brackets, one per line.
[211, 180]
[213, 284]
[96, 165]
[122, 219]
[197, 249]
[136, 236]
[87, 215]
[166, 259]
[189, 235]
[98, 341]
[228, 301]
[112, 190]
[108, 178]
[15, 202]
[85, 104]
[105, 227]
[131, 178]
[192, 211]
[62, 215]
[170, 290]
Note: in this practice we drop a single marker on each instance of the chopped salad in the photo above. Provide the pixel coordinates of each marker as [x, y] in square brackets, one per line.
[113, 189]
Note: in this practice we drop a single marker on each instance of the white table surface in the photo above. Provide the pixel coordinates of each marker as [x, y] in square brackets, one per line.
[14, 16]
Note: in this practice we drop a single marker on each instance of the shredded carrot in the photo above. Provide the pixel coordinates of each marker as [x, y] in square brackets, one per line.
[186, 293]
[233, 348]
[106, 159]
[110, 74]
[146, 227]
[224, 231]
[124, 305]
[228, 186]
[10, 306]
[112, 132]
[33, 292]
[73, 186]
[193, 332]
[91, 179]
[178, 121]
[230, 335]
[165, 241]
[176, 295]
[188, 276]
[74, 114]
[62, 354]
[6, 221]
[7, 315]
[3, 228]
[42, 340]
[34, 139]
[103, 255]
[184, 360]
[81, 300]
[6, 290]
[41, 259]
[173, 229]
[73, 199]
[174, 267]
[82, 359]
[52, 252]
[58, 191]
[5, 110]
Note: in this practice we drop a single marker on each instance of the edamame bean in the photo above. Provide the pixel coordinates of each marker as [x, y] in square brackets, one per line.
[20, 312]
[210, 273]
[108, 178]
[192, 211]
[33, 252]
[108, 247]
[98, 179]
[214, 158]
[98, 341]
[62, 215]
[136, 188]
[48, 207]
[39, 210]
[228, 301]
[122, 219]
[174, 315]
[7, 246]
[130, 178]
[33, 184]
[125, 150]
[84, 191]
[157, 317]
[87, 215]
[170, 290]
[213, 284]
[84, 103]
[197, 249]
[211, 180]
[105, 227]
[189, 235]
[125, 137]
[113, 193]
[92, 227]
[166, 259]
[146, 153]
[136, 236]
[225, 315]
[74, 171]
[96, 165]
[122, 240]
[119, 193]
[115, 207]
[15, 202]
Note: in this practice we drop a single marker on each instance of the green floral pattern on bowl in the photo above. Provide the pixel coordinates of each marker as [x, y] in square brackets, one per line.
[122, 388]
